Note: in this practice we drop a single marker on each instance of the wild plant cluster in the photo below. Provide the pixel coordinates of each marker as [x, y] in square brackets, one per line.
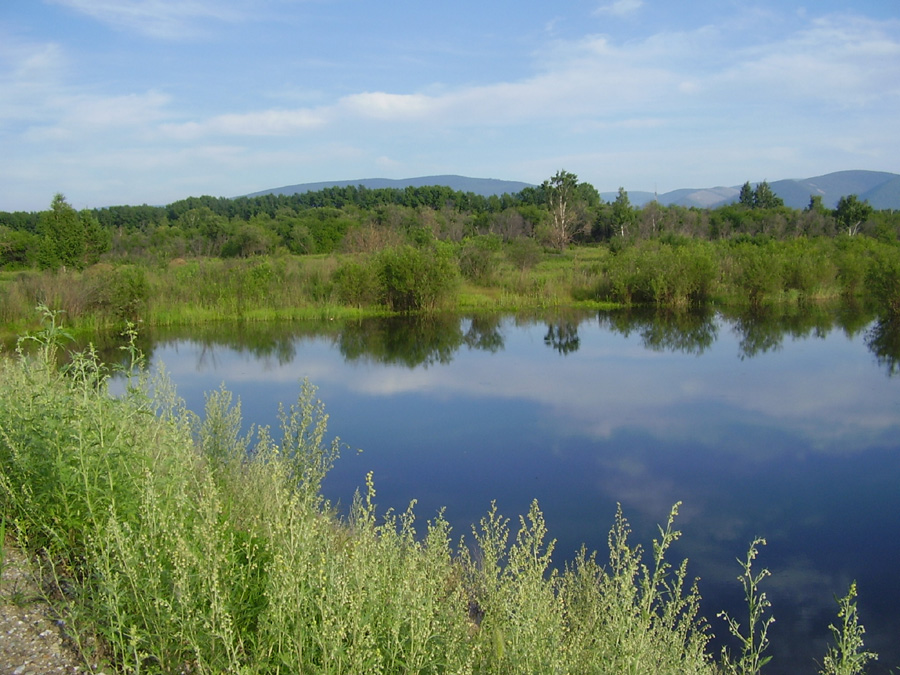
[478, 273]
[180, 544]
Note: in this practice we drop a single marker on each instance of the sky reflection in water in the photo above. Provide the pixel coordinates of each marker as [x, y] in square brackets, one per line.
[798, 444]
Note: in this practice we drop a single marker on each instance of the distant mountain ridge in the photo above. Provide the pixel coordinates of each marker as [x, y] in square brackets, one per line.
[479, 186]
[880, 188]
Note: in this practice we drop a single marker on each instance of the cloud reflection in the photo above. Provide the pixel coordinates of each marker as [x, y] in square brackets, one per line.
[819, 390]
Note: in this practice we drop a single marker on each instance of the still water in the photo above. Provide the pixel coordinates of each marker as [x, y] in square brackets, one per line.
[781, 428]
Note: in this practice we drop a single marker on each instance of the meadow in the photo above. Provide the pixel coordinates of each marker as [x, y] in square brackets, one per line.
[478, 273]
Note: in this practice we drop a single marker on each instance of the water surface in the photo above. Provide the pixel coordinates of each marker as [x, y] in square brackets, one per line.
[784, 428]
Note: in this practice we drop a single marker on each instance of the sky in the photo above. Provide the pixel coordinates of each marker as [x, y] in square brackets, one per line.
[150, 101]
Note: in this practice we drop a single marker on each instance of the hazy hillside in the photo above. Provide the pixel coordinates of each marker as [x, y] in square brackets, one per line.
[479, 186]
[880, 188]
[886, 195]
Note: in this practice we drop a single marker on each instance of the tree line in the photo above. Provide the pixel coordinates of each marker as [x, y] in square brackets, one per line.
[558, 213]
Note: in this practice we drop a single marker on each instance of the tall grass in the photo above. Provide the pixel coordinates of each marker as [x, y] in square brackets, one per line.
[675, 273]
[181, 544]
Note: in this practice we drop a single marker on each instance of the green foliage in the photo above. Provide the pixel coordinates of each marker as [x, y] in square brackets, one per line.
[127, 292]
[476, 257]
[17, 248]
[249, 239]
[883, 279]
[564, 203]
[755, 270]
[652, 272]
[524, 253]
[356, 283]
[847, 656]
[754, 639]
[761, 197]
[852, 213]
[807, 267]
[62, 236]
[764, 198]
[413, 279]
[623, 215]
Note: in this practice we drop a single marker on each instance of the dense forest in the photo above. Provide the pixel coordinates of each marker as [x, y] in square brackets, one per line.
[353, 219]
[411, 249]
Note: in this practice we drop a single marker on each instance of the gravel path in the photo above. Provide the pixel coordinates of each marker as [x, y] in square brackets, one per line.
[31, 642]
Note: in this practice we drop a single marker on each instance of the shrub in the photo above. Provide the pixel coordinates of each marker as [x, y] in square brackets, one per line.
[883, 280]
[476, 256]
[413, 279]
[755, 270]
[652, 272]
[524, 253]
[356, 283]
[129, 292]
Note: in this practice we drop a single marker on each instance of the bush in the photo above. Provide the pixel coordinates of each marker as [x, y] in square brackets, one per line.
[883, 280]
[652, 272]
[476, 257]
[356, 283]
[807, 267]
[129, 292]
[524, 253]
[755, 271]
[412, 279]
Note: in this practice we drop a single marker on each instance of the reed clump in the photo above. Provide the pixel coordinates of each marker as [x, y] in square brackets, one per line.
[181, 544]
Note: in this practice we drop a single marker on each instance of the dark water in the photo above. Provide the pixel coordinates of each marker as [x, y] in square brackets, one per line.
[781, 427]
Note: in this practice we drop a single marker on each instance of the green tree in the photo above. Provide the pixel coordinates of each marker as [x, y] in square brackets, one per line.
[17, 247]
[206, 230]
[764, 198]
[62, 236]
[623, 214]
[746, 197]
[249, 239]
[97, 239]
[815, 204]
[562, 197]
[851, 213]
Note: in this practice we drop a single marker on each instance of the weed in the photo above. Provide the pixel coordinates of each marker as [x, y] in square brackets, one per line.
[755, 640]
[847, 656]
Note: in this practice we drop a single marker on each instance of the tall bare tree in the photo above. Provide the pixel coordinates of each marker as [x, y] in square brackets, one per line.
[561, 201]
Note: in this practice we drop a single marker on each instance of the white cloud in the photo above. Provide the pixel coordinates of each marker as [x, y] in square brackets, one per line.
[391, 107]
[597, 83]
[275, 122]
[846, 61]
[168, 19]
[620, 7]
[29, 75]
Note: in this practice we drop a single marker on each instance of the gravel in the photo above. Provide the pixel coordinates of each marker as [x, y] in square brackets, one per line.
[32, 641]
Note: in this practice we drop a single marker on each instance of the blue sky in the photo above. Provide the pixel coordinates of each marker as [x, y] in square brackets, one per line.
[149, 101]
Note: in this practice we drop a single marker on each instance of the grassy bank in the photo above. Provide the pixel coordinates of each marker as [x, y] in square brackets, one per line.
[480, 273]
[179, 545]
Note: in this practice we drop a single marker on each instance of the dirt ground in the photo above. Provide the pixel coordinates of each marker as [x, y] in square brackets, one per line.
[32, 640]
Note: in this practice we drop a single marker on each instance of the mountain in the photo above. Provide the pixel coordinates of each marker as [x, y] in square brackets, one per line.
[880, 188]
[478, 186]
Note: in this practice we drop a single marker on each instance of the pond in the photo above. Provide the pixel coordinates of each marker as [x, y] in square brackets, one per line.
[779, 427]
